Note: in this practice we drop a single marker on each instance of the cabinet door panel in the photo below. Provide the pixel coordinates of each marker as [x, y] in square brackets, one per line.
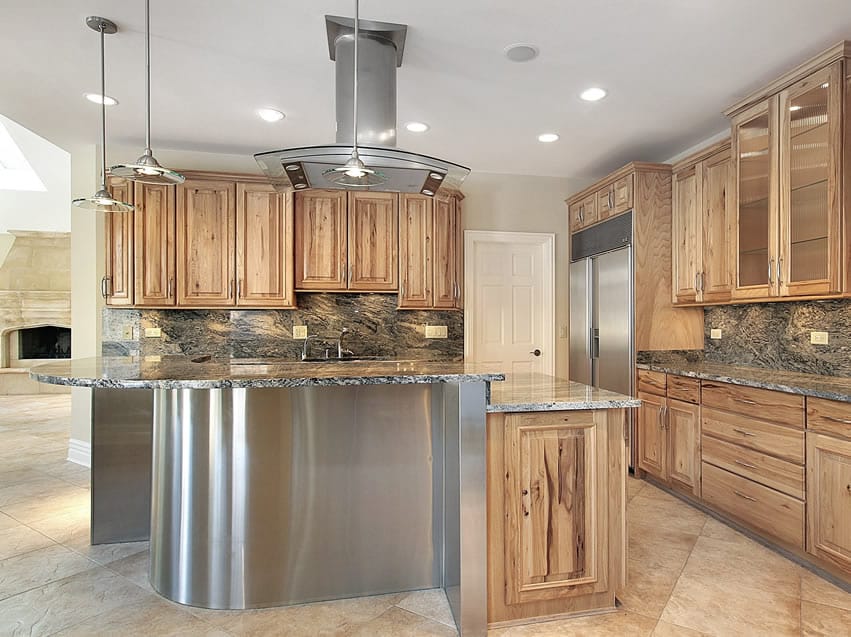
[810, 160]
[683, 424]
[415, 251]
[623, 195]
[459, 255]
[118, 273]
[373, 241]
[829, 499]
[555, 504]
[605, 202]
[205, 249]
[153, 245]
[686, 235]
[718, 222]
[264, 251]
[652, 448]
[589, 210]
[445, 237]
[320, 240]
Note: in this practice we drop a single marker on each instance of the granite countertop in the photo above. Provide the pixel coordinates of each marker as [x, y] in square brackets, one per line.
[539, 392]
[818, 386]
[180, 372]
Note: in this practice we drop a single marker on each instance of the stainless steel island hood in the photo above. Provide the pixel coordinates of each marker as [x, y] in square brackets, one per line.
[381, 47]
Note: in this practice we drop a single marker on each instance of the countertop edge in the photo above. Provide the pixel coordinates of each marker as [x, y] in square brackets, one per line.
[788, 388]
[563, 406]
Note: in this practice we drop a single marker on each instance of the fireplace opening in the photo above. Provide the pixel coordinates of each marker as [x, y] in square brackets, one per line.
[44, 342]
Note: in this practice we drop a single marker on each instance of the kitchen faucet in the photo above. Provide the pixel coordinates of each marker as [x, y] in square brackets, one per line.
[340, 350]
[305, 346]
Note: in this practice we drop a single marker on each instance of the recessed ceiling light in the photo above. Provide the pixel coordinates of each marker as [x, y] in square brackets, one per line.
[593, 94]
[417, 127]
[96, 98]
[521, 52]
[270, 114]
[548, 138]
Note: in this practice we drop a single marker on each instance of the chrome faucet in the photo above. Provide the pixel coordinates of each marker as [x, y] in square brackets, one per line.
[305, 346]
[340, 350]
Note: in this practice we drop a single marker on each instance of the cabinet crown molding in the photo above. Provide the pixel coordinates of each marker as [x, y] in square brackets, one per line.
[630, 168]
[800, 72]
[704, 153]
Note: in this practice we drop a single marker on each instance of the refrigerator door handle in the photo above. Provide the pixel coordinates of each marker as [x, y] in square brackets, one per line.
[595, 342]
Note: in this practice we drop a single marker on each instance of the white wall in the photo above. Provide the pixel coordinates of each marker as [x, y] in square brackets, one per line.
[526, 204]
[46, 210]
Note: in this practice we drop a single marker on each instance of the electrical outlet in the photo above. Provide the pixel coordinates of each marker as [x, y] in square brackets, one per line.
[300, 331]
[127, 333]
[818, 338]
[562, 331]
[436, 331]
[715, 334]
[153, 332]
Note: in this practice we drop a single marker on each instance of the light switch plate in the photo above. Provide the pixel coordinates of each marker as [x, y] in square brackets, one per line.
[300, 331]
[127, 333]
[715, 333]
[436, 331]
[153, 359]
[819, 338]
[153, 332]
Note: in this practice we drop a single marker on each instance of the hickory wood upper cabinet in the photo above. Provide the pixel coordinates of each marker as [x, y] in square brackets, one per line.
[702, 227]
[206, 267]
[790, 190]
[346, 241]
[264, 247]
[117, 282]
[430, 260]
[154, 245]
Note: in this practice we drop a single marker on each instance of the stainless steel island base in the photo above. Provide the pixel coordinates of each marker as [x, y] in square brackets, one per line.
[284, 495]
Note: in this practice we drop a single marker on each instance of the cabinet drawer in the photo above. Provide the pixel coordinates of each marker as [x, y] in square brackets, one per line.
[684, 388]
[781, 442]
[651, 382]
[787, 409]
[769, 511]
[831, 417]
[768, 470]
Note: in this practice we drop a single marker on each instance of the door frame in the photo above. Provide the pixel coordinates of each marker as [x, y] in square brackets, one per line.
[546, 240]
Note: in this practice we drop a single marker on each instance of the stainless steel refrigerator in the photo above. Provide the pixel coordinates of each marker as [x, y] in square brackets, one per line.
[602, 350]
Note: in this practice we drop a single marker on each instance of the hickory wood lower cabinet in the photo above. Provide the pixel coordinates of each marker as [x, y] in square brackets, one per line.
[556, 512]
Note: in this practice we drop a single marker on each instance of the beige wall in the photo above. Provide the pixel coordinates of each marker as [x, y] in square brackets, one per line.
[517, 203]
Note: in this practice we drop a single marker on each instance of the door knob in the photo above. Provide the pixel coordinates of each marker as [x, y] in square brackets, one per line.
[536, 352]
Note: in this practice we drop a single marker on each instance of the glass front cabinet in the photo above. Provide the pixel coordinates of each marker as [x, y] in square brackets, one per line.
[787, 162]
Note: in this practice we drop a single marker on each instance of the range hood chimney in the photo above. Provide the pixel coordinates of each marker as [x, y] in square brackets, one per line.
[381, 47]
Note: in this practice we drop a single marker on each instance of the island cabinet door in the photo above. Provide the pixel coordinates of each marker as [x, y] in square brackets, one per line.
[153, 245]
[320, 240]
[373, 241]
[205, 256]
[415, 254]
[264, 247]
[652, 438]
[556, 508]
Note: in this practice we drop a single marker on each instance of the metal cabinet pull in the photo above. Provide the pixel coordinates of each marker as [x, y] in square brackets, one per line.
[351, 272]
[746, 401]
[170, 286]
[661, 424]
[230, 288]
[103, 287]
[770, 271]
[780, 271]
[239, 288]
[697, 281]
[746, 497]
[743, 432]
[745, 464]
[611, 198]
[842, 420]
[702, 281]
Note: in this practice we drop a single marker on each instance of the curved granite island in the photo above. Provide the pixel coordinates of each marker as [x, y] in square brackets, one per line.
[277, 483]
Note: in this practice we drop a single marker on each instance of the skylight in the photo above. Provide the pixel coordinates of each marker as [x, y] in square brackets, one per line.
[15, 171]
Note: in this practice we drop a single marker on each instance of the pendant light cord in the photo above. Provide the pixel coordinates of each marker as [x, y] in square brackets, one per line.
[355, 108]
[148, 76]
[102, 30]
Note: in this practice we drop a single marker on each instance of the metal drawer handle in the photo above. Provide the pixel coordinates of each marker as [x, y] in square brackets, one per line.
[842, 420]
[745, 401]
[746, 497]
[743, 432]
[745, 464]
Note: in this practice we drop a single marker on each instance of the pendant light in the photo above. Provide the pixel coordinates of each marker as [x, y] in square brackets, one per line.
[147, 169]
[354, 173]
[102, 199]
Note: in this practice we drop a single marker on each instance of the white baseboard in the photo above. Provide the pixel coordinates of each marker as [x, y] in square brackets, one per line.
[80, 452]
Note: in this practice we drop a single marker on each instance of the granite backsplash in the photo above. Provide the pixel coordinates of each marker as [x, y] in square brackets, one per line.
[376, 328]
[777, 336]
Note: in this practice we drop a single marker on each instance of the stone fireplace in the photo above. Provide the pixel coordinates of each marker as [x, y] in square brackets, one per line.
[35, 308]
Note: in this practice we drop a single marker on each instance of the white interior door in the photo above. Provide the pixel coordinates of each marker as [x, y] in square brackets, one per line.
[509, 300]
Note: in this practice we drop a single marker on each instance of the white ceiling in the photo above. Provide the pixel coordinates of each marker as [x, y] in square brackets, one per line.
[671, 66]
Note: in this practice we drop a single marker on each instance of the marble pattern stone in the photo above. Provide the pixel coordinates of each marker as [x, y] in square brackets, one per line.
[376, 328]
[540, 392]
[777, 336]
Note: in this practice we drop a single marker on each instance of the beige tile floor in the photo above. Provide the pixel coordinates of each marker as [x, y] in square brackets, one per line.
[689, 575]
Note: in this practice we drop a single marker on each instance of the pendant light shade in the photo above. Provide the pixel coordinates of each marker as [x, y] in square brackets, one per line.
[147, 169]
[102, 199]
[354, 173]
